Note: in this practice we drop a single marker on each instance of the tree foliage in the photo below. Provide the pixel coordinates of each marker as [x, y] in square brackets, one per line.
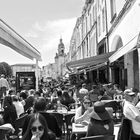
[5, 69]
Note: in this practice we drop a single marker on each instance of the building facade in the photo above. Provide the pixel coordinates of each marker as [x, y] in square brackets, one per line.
[105, 42]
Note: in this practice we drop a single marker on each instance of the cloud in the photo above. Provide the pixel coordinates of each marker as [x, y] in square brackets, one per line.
[49, 35]
[31, 34]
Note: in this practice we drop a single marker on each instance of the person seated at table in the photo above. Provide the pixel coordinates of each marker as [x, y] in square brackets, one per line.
[53, 102]
[23, 97]
[82, 92]
[117, 89]
[37, 95]
[37, 129]
[10, 114]
[18, 105]
[82, 115]
[130, 111]
[29, 102]
[100, 121]
[66, 99]
[104, 95]
[71, 92]
[94, 93]
[83, 112]
[54, 95]
[40, 106]
[11, 92]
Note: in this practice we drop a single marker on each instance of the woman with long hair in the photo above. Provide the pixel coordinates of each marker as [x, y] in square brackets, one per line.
[10, 114]
[82, 115]
[83, 112]
[38, 129]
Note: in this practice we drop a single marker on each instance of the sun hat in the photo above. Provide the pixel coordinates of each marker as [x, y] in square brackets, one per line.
[99, 112]
[129, 92]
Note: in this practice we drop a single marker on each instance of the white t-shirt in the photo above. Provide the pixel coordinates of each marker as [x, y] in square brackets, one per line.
[87, 114]
[131, 112]
[19, 108]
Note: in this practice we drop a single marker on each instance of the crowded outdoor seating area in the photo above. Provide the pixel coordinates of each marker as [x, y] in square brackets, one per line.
[65, 112]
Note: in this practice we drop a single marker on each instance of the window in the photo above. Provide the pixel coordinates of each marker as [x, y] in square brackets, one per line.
[94, 13]
[112, 8]
[86, 26]
[90, 21]
[99, 26]
[103, 19]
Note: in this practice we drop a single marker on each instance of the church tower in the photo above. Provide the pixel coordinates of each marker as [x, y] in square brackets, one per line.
[60, 59]
[61, 48]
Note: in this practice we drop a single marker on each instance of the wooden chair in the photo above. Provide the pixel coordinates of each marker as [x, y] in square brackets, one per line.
[68, 122]
[100, 137]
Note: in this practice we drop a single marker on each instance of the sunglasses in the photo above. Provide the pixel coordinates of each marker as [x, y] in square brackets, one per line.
[87, 102]
[34, 129]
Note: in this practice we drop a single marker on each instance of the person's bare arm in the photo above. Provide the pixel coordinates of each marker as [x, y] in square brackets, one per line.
[137, 118]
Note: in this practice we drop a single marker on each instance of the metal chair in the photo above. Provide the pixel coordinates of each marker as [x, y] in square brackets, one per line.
[100, 137]
[60, 120]
[19, 124]
[117, 110]
[5, 131]
[126, 131]
[68, 122]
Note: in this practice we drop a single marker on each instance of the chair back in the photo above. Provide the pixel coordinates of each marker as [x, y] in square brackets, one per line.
[125, 130]
[100, 137]
[68, 119]
[20, 122]
[59, 118]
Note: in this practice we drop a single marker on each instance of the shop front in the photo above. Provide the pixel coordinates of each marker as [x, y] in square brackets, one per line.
[124, 65]
[94, 69]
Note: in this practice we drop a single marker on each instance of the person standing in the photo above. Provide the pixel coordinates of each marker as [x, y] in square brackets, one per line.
[4, 86]
[130, 111]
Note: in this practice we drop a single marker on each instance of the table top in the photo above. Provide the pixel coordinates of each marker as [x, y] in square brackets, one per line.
[79, 128]
[62, 111]
[106, 101]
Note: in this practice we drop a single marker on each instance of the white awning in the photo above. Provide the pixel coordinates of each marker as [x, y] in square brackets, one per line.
[124, 49]
[12, 39]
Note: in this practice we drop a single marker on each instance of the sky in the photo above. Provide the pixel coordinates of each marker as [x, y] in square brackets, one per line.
[42, 23]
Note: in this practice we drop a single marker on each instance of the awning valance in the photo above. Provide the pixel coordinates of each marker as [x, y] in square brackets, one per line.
[95, 60]
[132, 44]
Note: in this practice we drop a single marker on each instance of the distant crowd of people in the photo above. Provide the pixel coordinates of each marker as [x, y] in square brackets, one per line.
[89, 105]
